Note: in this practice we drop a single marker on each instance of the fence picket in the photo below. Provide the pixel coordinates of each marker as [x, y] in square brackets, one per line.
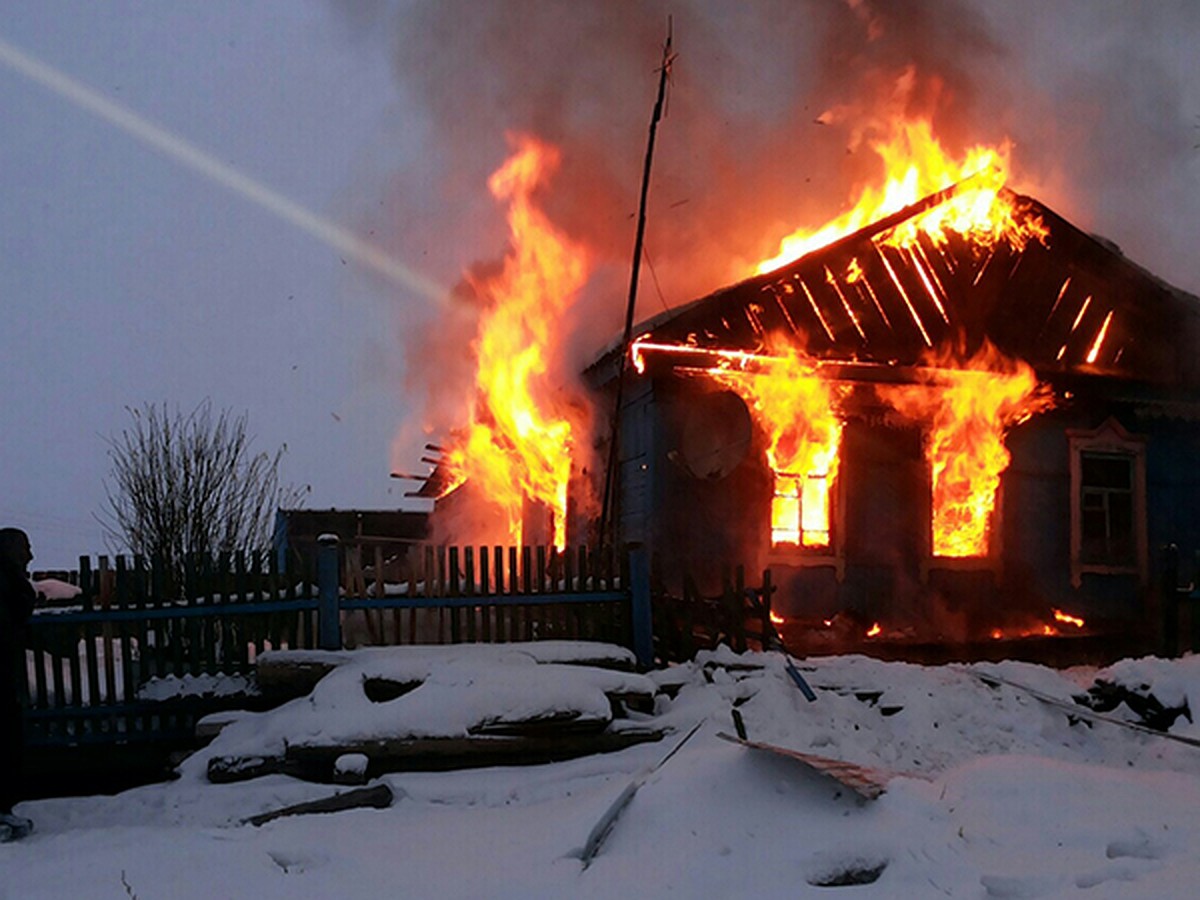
[485, 588]
[142, 621]
[125, 601]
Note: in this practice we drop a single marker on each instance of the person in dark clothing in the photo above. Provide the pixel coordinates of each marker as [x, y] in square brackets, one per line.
[17, 599]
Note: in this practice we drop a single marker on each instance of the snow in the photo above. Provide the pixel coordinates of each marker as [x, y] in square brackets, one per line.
[55, 590]
[993, 793]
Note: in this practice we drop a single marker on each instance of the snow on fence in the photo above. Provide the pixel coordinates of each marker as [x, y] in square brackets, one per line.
[141, 654]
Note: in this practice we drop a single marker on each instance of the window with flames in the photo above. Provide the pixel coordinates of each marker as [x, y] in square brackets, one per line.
[800, 510]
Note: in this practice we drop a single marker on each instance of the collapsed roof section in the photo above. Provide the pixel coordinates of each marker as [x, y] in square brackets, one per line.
[1070, 304]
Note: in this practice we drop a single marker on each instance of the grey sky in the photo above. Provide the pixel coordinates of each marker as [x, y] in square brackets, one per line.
[126, 277]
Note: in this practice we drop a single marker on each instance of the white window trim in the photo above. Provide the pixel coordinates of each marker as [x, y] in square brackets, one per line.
[1110, 437]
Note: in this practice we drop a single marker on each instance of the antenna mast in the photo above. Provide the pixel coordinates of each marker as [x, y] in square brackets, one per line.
[609, 503]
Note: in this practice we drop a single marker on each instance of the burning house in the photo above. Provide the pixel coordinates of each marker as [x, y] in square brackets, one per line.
[949, 415]
[943, 428]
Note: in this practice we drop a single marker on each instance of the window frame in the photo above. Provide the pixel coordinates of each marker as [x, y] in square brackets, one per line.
[1109, 439]
[833, 554]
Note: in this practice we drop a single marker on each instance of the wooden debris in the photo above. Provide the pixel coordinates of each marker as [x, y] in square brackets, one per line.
[1105, 696]
[603, 828]
[866, 782]
[377, 797]
[560, 722]
[214, 723]
[228, 769]
[1081, 712]
[315, 762]
[285, 676]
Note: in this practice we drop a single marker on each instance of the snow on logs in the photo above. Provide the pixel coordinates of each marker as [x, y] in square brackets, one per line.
[422, 708]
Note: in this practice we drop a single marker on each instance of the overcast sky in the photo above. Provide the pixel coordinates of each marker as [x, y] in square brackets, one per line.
[127, 276]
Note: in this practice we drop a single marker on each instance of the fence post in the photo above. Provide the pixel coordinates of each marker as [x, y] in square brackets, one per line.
[329, 624]
[640, 613]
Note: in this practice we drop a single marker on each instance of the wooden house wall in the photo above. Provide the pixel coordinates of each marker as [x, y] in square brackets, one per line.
[884, 570]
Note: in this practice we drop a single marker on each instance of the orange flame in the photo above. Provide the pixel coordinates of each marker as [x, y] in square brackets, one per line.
[874, 631]
[967, 415]
[794, 404]
[915, 166]
[518, 445]
[1060, 616]
[776, 618]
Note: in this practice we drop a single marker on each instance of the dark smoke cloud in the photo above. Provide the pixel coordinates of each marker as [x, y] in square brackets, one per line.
[771, 107]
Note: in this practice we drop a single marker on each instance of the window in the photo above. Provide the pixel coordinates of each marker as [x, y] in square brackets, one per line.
[1108, 497]
[1106, 508]
[800, 510]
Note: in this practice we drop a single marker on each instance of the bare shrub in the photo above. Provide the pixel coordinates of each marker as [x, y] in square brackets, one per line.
[189, 484]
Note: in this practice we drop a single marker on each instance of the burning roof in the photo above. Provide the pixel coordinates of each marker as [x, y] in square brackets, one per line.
[1065, 302]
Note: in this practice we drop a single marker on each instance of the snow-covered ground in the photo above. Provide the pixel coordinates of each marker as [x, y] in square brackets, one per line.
[993, 793]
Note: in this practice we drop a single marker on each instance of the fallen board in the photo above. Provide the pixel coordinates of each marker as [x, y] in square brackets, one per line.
[378, 797]
[867, 783]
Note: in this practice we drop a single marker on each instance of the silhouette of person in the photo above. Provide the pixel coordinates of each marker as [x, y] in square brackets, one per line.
[17, 599]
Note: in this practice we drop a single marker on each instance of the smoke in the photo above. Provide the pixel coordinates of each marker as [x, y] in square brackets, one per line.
[772, 105]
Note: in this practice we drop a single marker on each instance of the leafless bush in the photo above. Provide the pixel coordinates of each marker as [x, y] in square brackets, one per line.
[184, 485]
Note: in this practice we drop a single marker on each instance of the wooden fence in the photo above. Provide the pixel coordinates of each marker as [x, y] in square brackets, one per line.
[134, 659]
[739, 616]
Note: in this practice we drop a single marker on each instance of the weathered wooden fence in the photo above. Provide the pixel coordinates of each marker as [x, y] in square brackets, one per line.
[134, 658]
[739, 616]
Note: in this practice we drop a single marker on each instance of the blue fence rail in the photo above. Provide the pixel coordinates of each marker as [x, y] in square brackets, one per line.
[140, 656]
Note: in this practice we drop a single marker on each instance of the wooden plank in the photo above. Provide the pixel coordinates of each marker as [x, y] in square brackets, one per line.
[215, 571]
[249, 575]
[139, 629]
[156, 663]
[485, 588]
[126, 598]
[38, 696]
[376, 797]
[867, 782]
[469, 569]
[76, 695]
[514, 613]
[179, 636]
[455, 613]
[91, 631]
[315, 761]
[60, 692]
[558, 616]
[525, 627]
[498, 582]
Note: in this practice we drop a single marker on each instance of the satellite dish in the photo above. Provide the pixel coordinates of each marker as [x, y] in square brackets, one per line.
[716, 435]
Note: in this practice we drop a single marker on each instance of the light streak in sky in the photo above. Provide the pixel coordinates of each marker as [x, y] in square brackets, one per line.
[187, 154]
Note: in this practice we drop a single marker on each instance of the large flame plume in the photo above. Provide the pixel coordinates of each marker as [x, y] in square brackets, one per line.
[524, 429]
[965, 412]
[915, 165]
